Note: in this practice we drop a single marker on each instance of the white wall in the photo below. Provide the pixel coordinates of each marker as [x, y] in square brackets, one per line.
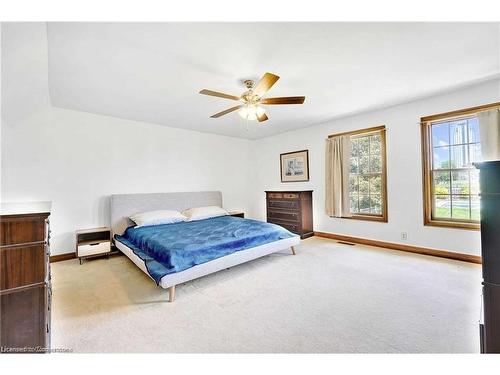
[77, 159]
[404, 170]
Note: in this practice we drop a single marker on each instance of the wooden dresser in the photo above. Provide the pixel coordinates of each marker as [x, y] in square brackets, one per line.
[292, 210]
[490, 253]
[25, 289]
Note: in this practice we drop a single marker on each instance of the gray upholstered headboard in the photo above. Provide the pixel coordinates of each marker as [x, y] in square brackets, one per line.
[124, 205]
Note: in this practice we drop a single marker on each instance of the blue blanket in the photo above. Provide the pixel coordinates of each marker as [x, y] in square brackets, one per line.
[171, 248]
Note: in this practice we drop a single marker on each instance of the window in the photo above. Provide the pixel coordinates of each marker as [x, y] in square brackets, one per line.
[367, 174]
[451, 144]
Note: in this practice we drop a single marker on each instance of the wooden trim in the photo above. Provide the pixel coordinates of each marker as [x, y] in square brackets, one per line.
[460, 112]
[385, 213]
[62, 257]
[359, 131]
[452, 224]
[384, 217]
[380, 218]
[402, 247]
[426, 168]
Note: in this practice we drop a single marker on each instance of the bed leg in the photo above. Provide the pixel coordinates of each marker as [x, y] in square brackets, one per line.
[171, 294]
[293, 250]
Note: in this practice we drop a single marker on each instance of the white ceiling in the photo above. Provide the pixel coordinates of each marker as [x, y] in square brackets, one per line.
[152, 72]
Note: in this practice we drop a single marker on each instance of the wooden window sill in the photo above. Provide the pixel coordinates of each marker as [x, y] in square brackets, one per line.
[382, 219]
[453, 224]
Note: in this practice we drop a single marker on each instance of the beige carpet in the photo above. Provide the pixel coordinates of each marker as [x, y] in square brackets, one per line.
[328, 298]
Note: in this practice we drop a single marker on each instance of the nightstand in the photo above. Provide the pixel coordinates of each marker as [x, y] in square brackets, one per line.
[91, 243]
[237, 214]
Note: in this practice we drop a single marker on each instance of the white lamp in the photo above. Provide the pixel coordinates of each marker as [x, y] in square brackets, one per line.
[251, 112]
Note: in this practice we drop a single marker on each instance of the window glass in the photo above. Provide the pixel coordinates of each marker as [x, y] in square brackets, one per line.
[365, 180]
[453, 178]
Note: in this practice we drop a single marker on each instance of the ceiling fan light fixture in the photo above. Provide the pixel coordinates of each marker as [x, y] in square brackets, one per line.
[251, 112]
[251, 101]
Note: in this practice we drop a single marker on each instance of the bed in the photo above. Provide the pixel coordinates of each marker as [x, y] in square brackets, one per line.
[172, 254]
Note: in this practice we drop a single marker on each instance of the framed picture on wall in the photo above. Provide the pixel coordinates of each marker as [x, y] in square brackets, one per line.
[295, 166]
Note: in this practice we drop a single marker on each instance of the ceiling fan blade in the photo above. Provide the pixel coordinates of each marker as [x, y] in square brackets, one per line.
[266, 82]
[219, 94]
[262, 117]
[284, 100]
[226, 111]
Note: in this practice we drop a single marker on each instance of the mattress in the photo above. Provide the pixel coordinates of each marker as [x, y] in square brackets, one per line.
[172, 248]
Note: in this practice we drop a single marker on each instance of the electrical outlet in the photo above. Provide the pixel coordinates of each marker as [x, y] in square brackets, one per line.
[404, 236]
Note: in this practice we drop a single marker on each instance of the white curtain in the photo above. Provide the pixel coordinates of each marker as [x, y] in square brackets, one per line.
[489, 132]
[337, 176]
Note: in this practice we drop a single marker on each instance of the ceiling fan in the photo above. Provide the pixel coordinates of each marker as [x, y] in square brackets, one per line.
[253, 99]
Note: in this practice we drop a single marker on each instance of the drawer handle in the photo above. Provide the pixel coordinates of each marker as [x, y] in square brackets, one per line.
[94, 244]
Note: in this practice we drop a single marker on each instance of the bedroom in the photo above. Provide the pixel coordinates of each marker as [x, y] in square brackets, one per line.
[331, 204]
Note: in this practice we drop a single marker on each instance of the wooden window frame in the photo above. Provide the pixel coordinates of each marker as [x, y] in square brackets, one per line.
[426, 124]
[384, 217]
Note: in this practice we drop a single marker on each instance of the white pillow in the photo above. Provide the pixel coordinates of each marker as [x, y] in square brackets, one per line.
[144, 219]
[200, 213]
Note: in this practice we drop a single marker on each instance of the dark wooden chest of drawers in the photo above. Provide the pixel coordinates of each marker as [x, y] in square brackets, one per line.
[292, 210]
[25, 290]
[490, 253]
